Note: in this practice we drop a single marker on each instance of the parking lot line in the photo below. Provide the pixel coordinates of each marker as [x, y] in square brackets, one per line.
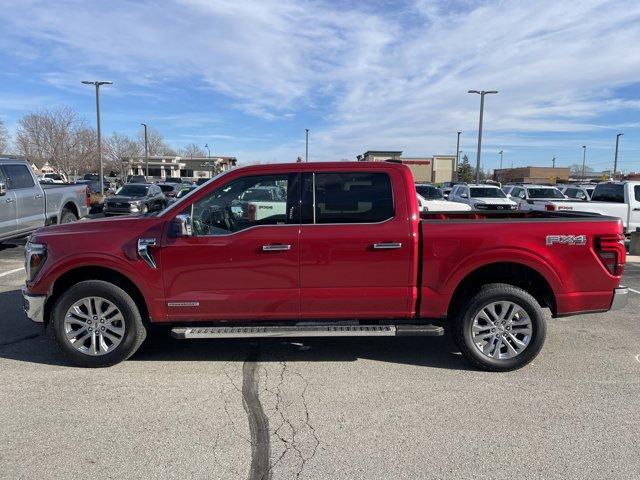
[16, 270]
[634, 291]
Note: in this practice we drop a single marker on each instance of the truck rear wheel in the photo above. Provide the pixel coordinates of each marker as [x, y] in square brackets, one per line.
[68, 216]
[500, 328]
[97, 324]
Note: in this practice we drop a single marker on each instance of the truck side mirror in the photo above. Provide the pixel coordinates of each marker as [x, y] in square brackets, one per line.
[464, 195]
[3, 189]
[182, 226]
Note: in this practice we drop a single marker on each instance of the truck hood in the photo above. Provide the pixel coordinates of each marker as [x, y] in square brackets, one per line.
[111, 229]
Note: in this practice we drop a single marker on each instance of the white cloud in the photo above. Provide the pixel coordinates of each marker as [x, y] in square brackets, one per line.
[378, 79]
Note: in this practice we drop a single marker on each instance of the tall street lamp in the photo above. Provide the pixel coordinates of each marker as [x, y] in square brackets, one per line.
[457, 156]
[146, 151]
[584, 156]
[615, 160]
[206, 145]
[482, 93]
[553, 162]
[97, 84]
[306, 144]
[500, 152]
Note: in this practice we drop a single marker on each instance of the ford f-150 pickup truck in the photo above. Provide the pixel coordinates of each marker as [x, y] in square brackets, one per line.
[25, 205]
[350, 255]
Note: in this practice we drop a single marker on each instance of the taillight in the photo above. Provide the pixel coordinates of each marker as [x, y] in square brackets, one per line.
[251, 212]
[88, 192]
[550, 207]
[612, 253]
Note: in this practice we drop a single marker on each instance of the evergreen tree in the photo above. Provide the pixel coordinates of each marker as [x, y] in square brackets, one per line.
[465, 172]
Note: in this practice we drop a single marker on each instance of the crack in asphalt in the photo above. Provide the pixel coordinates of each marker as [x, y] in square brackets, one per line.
[21, 339]
[291, 443]
[258, 421]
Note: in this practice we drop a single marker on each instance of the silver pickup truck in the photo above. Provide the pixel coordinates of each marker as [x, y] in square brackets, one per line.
[25, 205]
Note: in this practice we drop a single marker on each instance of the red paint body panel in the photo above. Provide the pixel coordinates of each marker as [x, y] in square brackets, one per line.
[331, 271]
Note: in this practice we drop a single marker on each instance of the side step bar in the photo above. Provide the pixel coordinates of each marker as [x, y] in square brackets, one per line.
[184, 333]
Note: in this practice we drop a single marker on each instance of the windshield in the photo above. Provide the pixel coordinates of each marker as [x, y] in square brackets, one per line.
[130, 190]
[486, 192]
[166, 188]
[608, 192]
[545, 193]
[184, 192]
[181, 200]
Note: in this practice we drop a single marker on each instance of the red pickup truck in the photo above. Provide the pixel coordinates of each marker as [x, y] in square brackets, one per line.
[344, 251]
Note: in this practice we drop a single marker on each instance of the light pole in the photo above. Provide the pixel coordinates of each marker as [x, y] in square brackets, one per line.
[500, 152]
[455, 177]
[306, 144]
[146, 152]
[584, 156]
[97, 84]
[482, 93]
[553, 162]
[615, 160]
[206, 145]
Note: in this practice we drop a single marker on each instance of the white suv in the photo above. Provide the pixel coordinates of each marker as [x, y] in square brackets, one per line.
[482, 197]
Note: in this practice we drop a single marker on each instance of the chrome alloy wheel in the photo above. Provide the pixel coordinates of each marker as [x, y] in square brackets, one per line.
[94, 326]
[501, 330]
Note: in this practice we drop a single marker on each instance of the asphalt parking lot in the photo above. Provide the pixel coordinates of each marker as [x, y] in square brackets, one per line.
[326, 408]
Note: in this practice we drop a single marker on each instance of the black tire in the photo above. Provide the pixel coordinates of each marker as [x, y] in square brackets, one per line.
[494, 292]
[68, 216]
[134, 333]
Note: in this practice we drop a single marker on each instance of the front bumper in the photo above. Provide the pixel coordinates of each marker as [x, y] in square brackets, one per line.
[121, 211]
[620, 298]
[33, 306]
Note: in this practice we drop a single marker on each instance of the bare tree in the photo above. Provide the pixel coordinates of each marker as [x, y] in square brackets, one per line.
[4, 138]
[156, 143]
[192, 150]
[119, 147]
[60, 137]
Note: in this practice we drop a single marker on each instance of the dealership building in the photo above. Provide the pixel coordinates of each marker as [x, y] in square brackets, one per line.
[540, 175]
[435, 169]
[163, 166]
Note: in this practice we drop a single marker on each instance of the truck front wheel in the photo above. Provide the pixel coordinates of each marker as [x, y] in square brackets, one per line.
[68, 216]
[500, 328]
[97, 324]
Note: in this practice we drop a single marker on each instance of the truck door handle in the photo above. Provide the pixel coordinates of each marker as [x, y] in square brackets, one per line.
[38, 196]
[636, 209]
[10, 200]
[276, 248]
[387, 245]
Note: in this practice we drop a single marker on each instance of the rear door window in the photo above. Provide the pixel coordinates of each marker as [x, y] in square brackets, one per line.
[348, 197]
[18, 176]
[609, 192]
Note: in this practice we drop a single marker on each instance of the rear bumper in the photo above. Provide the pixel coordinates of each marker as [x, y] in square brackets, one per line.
[620, 298]
[33, 306]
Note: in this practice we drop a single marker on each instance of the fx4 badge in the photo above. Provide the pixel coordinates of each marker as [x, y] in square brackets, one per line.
[566, 240]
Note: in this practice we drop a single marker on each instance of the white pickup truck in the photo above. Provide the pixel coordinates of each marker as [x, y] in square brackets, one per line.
[25, 205]
[615, 199]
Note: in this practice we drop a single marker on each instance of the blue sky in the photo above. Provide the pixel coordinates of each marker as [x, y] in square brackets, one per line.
[247, 77]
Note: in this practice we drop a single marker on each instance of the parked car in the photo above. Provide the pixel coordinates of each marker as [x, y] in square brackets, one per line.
[429, 192]
[135, 199]
[182, 193]
[616, 199]
[441, 205]
[136, 179]
[177, 180]
[170, 190]
[448, 186]
[27, 205]
[96, 199]
[351, 255]
[577, 192]
[96, 178]
[202, 181]
[482, 197]
[528, 197]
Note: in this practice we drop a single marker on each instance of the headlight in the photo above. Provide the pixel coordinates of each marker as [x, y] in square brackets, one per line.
[513, 207]
[34, 258]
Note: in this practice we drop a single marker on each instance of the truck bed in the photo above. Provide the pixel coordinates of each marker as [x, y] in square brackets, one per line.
[549, 245]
